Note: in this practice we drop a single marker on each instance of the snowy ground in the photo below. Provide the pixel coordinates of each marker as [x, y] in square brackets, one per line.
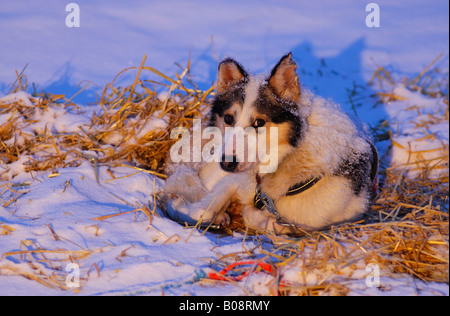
[61, 216]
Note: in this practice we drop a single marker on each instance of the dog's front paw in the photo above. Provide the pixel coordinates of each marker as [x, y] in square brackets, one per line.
[204, 215]
[177, 209]
[258, 219]
[172, 205]
[222, 219]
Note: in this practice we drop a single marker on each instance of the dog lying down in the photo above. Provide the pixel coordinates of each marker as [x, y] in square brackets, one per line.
[313, 167]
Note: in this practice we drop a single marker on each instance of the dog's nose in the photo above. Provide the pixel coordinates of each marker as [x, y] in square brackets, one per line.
[229, 164]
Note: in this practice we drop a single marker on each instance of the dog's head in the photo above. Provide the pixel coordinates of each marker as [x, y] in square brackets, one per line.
[258, 116]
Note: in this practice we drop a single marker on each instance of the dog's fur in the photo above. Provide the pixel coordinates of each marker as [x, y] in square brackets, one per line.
[315, 139]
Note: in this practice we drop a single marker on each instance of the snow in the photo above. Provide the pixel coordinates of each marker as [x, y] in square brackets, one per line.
[405, 114]
[132, 255]
[127, 254]
[113, 36]
[20, 97]
[153, 123]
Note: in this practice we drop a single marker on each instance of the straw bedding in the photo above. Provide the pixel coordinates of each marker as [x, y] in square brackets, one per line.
[406, 231]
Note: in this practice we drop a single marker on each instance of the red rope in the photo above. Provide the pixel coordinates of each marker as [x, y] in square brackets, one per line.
[222, 274]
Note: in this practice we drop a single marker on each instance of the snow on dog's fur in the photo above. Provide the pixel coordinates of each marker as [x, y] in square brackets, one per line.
[315, 141]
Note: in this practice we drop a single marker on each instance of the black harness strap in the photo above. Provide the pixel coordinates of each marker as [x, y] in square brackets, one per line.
[302, 186]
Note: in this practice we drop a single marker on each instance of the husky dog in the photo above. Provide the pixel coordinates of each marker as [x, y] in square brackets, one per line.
[326, 169]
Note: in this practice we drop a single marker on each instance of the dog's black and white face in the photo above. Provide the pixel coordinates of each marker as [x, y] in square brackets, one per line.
[266, 108]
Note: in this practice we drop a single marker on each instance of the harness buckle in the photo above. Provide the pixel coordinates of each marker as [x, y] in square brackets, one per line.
[263, 201]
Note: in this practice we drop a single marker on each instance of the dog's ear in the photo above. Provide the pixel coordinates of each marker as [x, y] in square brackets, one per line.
[230, 73]
[284, 79]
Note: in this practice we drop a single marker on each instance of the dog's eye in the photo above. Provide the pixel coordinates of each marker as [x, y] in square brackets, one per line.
[259, 123]
[228, 119]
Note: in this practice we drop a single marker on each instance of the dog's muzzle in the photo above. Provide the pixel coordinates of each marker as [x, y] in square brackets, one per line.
[229, 164]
